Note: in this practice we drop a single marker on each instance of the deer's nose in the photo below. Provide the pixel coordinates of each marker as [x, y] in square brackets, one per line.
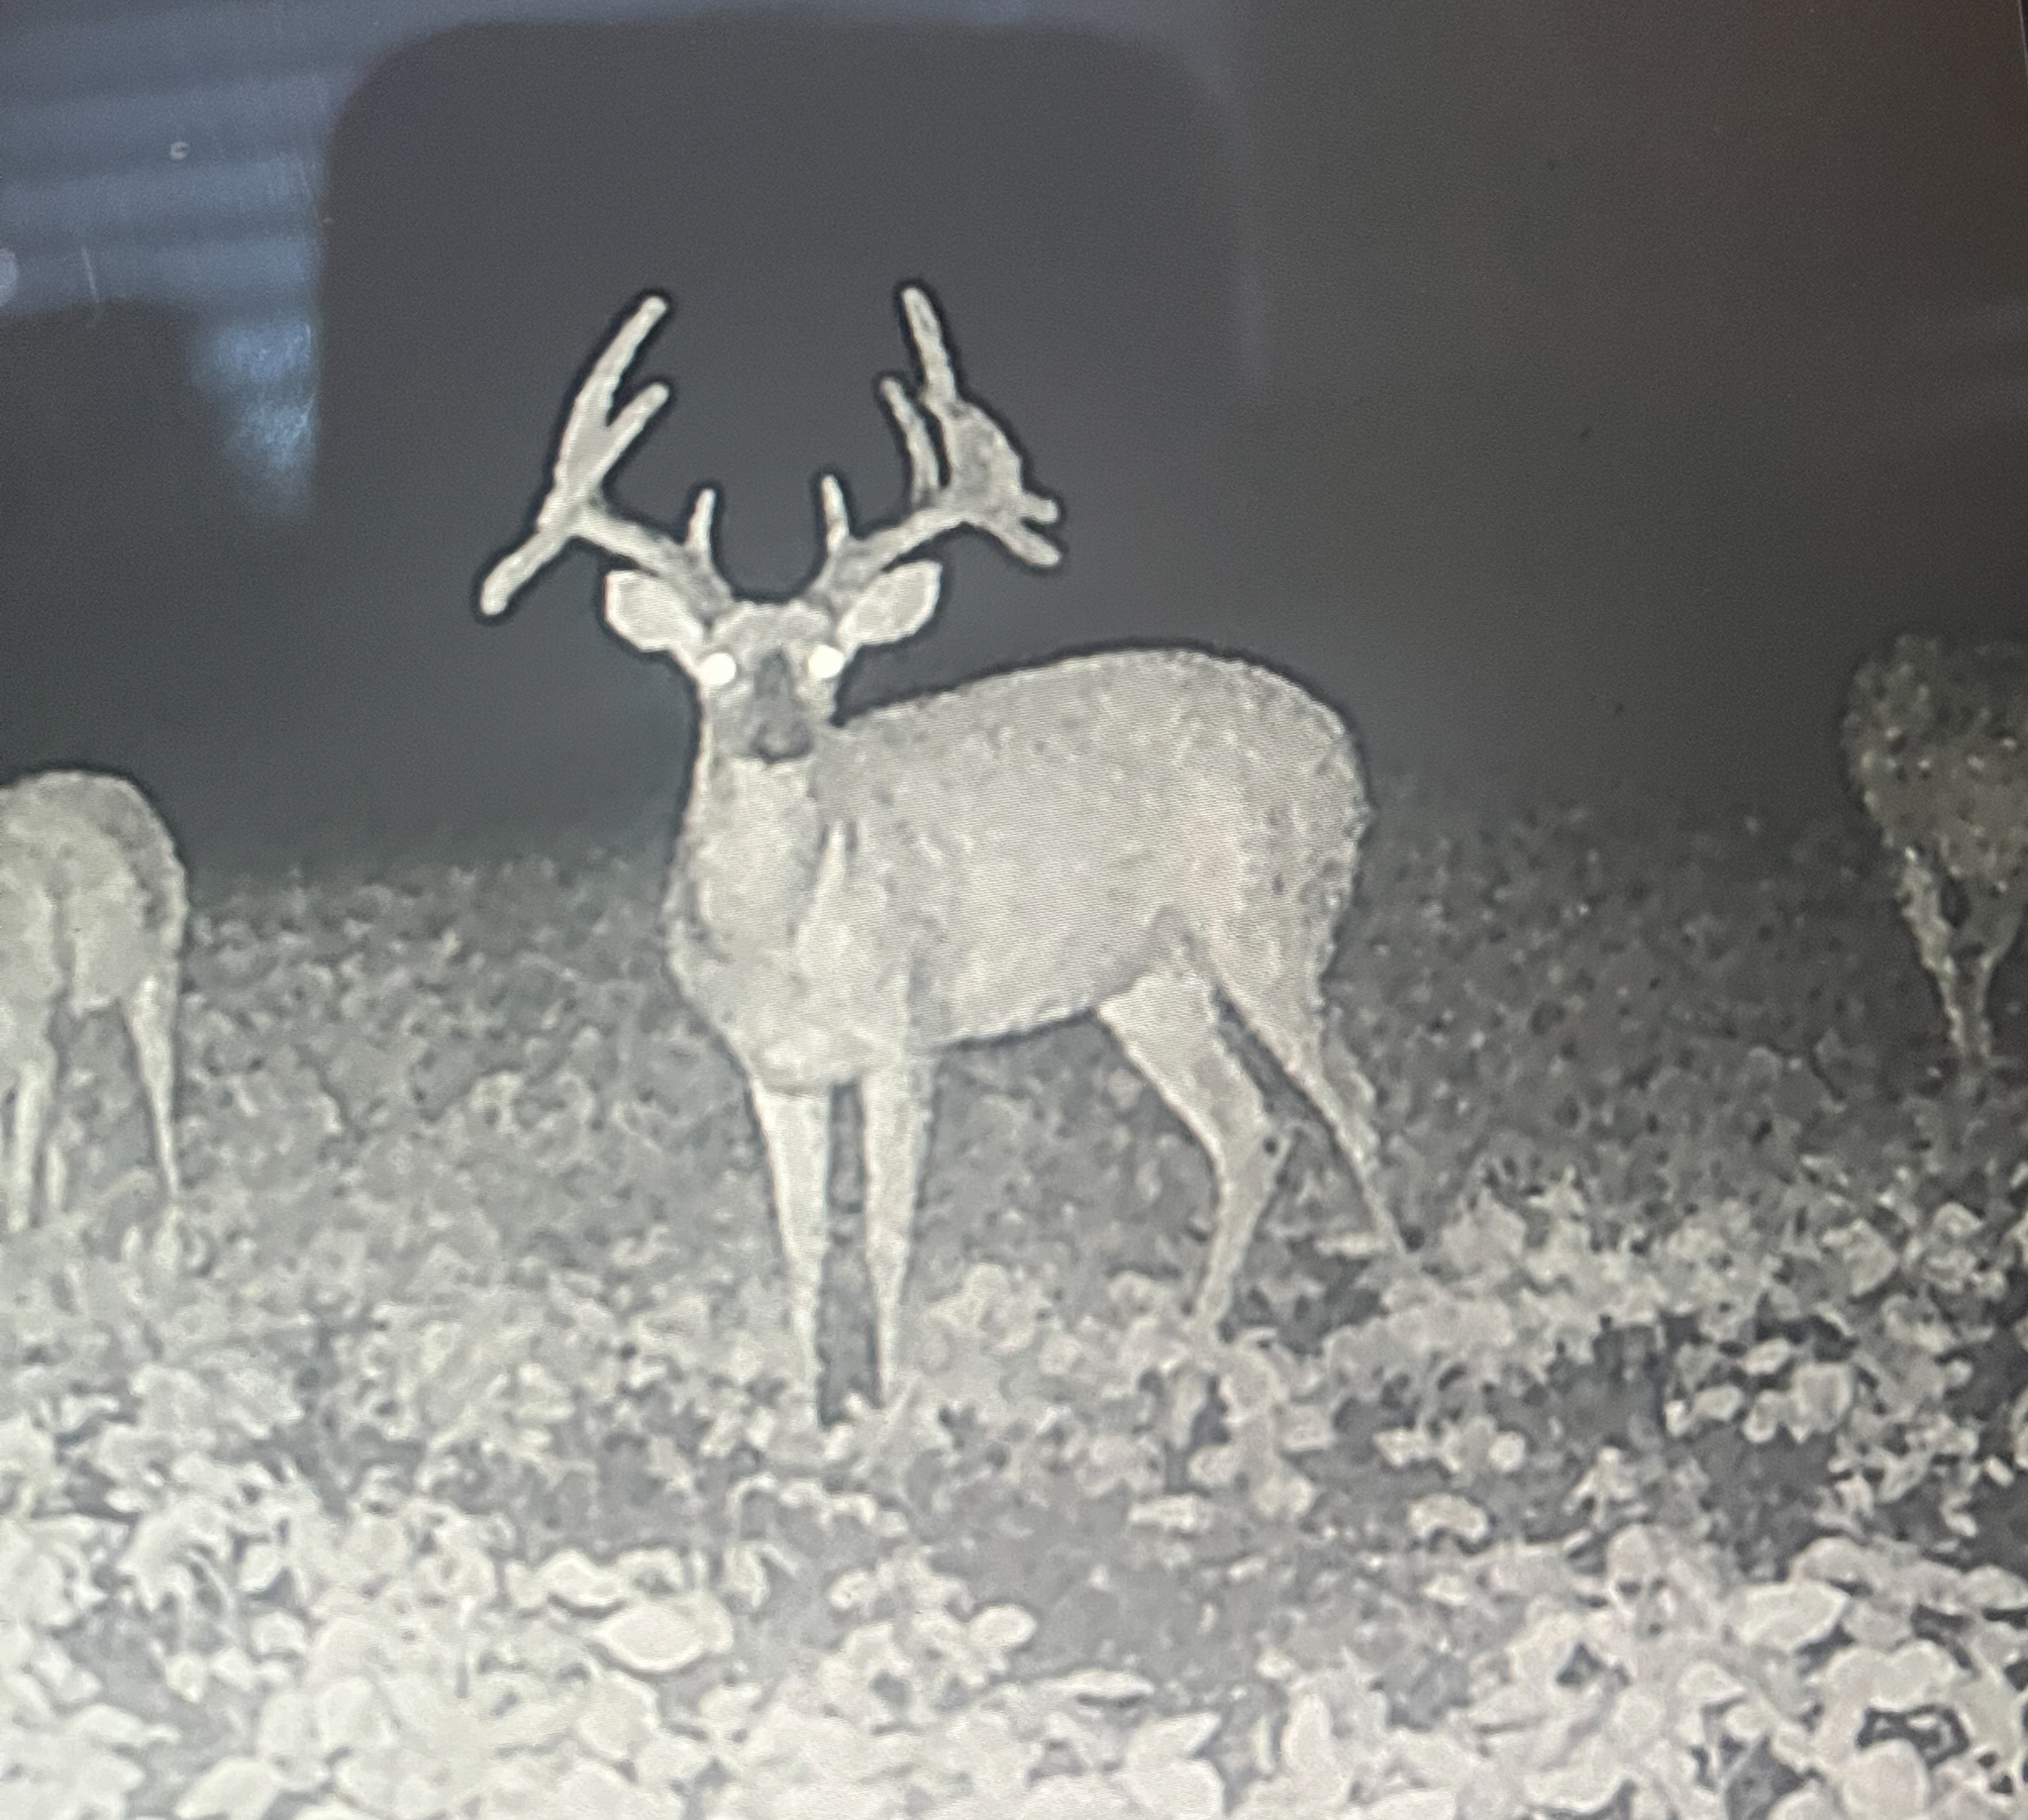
[782, 726]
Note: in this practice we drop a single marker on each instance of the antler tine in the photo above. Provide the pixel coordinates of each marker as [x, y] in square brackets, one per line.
[703, 509]
[589, 447]
[985, 463]
[831, 502]
[932, 352]
[978, 484]
[925, 471]
[593, 438]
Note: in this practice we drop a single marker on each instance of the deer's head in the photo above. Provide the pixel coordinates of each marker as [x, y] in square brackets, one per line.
[766, 672]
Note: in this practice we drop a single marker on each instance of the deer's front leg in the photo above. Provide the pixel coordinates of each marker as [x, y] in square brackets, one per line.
[796, 1128]
[33, 1088]
[894, 1106]
[1992, 925]
[1921, 896]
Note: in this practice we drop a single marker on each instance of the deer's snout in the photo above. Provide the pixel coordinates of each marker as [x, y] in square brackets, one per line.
[781, 724]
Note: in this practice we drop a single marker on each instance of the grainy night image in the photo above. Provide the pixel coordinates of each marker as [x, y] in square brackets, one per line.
[1077, 908]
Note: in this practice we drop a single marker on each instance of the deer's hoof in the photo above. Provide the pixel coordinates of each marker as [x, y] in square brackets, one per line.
[1369, 1243]
[175, 1251]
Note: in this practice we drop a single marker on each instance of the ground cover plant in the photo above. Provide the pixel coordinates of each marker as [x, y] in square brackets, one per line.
[453, 1469]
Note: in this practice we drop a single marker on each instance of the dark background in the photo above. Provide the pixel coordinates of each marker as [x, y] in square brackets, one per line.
[1631, 371]
[1084, 270]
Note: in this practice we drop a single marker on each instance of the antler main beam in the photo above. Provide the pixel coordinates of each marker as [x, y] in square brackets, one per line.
[978, 485]
[973, 481]
[590, 446]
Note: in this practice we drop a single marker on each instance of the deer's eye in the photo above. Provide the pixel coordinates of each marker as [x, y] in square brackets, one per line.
[825, 661]
[716, 668]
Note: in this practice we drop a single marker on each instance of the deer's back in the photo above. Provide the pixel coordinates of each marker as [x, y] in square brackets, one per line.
[87, 859]
[1102, 741]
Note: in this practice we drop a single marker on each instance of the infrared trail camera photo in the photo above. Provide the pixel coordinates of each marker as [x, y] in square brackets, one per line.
[1278, 1067]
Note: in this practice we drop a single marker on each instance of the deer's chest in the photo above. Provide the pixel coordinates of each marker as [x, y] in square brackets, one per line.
[781, 948]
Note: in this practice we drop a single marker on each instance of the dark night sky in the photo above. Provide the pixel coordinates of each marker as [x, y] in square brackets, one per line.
[1635, 368]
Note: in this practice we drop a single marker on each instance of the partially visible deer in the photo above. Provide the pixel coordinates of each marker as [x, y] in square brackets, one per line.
[1137, 835]
[93, 906]
[1936, 743]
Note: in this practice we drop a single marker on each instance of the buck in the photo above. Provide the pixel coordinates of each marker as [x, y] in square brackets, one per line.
[93, 905]
[1139, 835]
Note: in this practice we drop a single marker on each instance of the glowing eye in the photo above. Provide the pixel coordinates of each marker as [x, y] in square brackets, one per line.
[717, 669]
[825, 661]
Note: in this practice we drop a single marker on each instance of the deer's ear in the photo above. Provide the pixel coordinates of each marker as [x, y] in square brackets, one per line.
[650, 615]
[892, 606]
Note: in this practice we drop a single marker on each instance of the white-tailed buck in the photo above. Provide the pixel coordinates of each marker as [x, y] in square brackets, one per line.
[93, 906]
[1138, 834]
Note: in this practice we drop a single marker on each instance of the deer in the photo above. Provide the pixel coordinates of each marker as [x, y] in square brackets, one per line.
[1935, 739]
[93, 908]
[1141, 835]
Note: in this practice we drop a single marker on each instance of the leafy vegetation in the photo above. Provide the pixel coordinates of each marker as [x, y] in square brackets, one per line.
[1677, 1470]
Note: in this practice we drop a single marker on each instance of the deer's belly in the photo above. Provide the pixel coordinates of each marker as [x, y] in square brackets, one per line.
[852, 993]
[1039, 970]
[987, 995]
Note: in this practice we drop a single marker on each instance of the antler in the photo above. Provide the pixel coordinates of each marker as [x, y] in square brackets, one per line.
[589, 448]
[982, 490]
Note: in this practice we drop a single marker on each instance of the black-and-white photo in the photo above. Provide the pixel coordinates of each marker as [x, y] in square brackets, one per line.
[1073, 909]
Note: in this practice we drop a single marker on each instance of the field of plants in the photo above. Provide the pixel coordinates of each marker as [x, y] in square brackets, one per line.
[447, 1469]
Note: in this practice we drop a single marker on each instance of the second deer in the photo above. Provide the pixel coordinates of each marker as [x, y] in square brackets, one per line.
[93, 906]
[1936, 743]
[1140, 834]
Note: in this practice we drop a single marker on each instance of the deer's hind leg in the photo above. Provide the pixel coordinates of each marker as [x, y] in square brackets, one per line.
[149, 1010]
[1274, 984]
[1167, 1024]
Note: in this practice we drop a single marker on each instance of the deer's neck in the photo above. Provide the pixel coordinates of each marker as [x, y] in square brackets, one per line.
[750, 850]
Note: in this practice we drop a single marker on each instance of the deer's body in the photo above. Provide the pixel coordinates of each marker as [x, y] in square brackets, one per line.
[93, 907]
[1006, 856]
[1147, 837]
